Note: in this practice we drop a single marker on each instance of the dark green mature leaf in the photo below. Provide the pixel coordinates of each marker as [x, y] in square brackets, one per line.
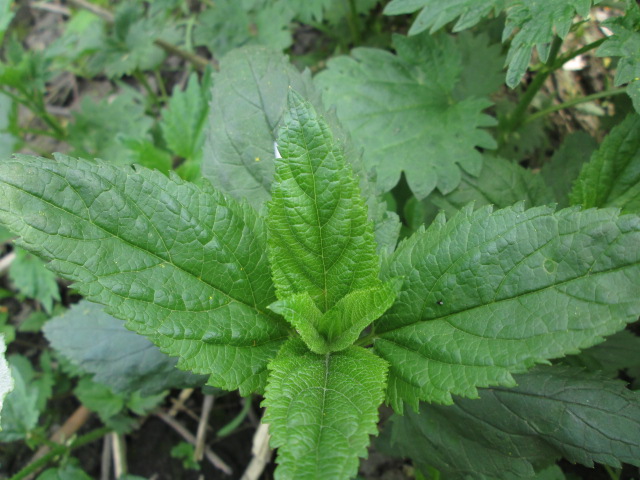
[248, 100]
[617, 353]
[536, 23]
[625, 43]
[183, 265]
[553, 412]
[490, 293]
[122, 359]
[333, 11]
[320, 241]
[401, 110]
[501, 183]
[230, 24]
[31, 278]
[565, 165]
[321, 409]
[612, 177]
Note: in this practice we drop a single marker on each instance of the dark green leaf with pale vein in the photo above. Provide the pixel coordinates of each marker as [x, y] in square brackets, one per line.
[248, 100]
[321, 410]
[612, 176]
[182, 265]
[402, 111]
[320, 240]
[122, 359]
[536, 23]
[488, 294]
[553, 412]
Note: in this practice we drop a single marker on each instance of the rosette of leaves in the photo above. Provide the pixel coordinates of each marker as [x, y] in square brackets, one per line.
[298, 306]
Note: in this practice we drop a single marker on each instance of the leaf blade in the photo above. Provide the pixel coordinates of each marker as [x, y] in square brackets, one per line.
[479, 303]
[321, 409]
[178, 254]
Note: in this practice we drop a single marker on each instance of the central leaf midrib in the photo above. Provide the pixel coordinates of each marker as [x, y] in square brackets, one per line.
[138, 247]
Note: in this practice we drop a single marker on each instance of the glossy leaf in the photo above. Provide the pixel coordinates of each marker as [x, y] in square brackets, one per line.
[490, 293]
[321, 410]
[182, 265]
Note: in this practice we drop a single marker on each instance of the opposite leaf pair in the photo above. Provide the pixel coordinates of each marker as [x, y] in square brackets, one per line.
[470, 301]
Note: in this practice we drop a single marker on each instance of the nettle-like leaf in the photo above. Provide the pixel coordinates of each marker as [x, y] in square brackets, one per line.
[6, 380]
[248, 100]
[490, 293]
[500, 182]
[536, 23]
[320, 239]
[332, 11]
[182, 265]
[403, 107]
[625, 43]
[509, 433]
[612, 176]
[122, 359]
[30, 276]
[323, 393]
[321, 409]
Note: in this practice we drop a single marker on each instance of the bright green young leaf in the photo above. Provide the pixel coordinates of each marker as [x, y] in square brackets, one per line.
[501, 183]
[565, 165]
[320, 240]
[341, 325]
[488, 294]
[6, 380]
[625, 43]
[184, 119]
[553, 412]
[536, 23]
[612, 177]
[183, 265]
[99, 398]
[321, 410]
[248, 100]
[230, 24]
[402, 111]
[31, 278]
[122, 359]
[23, 405]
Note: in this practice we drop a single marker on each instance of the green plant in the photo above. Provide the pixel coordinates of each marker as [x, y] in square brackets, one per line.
[397, 253]
[467, 302]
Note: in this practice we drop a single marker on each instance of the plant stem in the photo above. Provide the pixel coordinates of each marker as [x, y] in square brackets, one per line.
[575, 101]
[573, 54]
[366, 340]
[614, 473]
[138, 75]
[353, 22]
[517, 116]
[59, 450]
[237, 420]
